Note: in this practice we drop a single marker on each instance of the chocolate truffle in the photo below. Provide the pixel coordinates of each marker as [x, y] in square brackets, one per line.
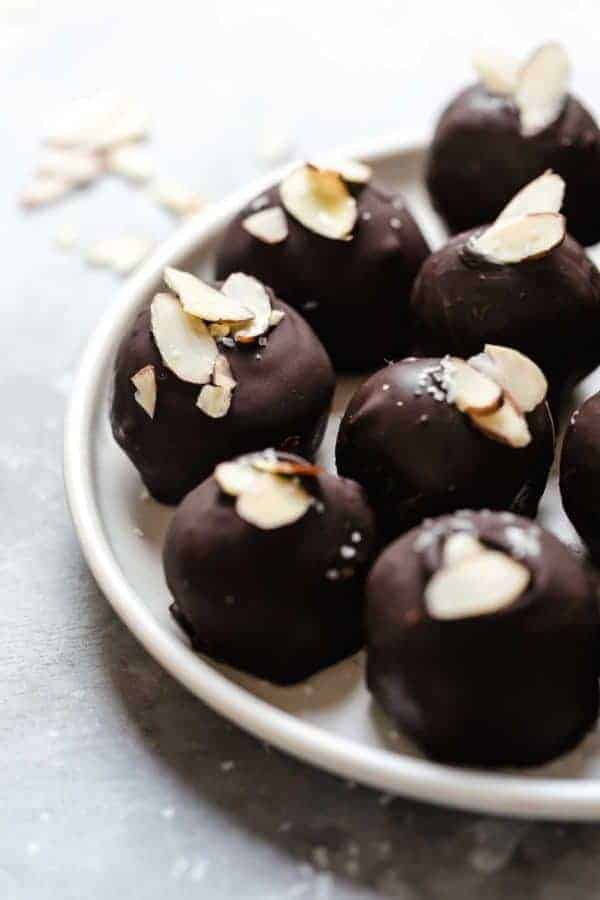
[580, 473]
[503, 131]
[428, 436]
[341, 250]
[194, 384]
[482, 638]
[266, 561]
[521, 282]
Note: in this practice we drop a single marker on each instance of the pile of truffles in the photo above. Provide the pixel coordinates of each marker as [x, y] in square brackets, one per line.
[423, 547]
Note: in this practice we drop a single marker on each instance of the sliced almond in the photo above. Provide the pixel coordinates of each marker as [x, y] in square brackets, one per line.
[476, 586]
[183, 341]
[276, 501]
[236, 477]
[214, 400]
[320, 200]
[268, 225]
[470, 390]
[145, 393]
[104, 120]
[352, 170]
[219, 329]
[542, 195]
[222, 375]
[75, 165]
[200, 299]
[460, 546]
[497, 72]
[542, 88]
[176, 198]
[254, 296]
[131, 161]
[519, 376]
[43, 189]
[275, 318]
[121, 254]
[515, 240]
[270, 463]
[507, 425]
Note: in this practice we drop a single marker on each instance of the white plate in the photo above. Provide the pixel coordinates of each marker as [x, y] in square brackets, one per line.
[330, 720]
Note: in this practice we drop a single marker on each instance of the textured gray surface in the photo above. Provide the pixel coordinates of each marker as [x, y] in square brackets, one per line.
[115, 781]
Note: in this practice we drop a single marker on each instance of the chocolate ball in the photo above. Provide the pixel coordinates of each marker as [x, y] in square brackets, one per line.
[479, 159]
[354, 293]
[549, 308]
[284, 388]
[580, 473]
[486, 660]
[416, 454]
[280, 603]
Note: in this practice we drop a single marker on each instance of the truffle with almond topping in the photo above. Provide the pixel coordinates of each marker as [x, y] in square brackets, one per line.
[428, 436]
[482, 640]
[580, 473]
[206, 373]
[266, 562]
[341, 250]
[521, 281]
[503, 131]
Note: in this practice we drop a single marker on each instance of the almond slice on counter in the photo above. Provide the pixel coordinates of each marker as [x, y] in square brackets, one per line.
[477, 585]
[519, 239]
[542, 88]
[268, 225]
[542, 195]
[183, 341]
[200, 299]
[320, 200]
[144, 382]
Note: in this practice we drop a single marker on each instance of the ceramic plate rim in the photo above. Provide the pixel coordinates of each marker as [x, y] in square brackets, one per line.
[421, 779]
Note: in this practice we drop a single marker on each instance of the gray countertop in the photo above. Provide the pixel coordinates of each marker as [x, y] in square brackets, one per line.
[115, 781]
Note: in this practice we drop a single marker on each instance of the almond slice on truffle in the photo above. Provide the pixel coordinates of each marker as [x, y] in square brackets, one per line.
[145, 389]
[353, 171]
[460, 546]
[470, 390]
[214, 400]
[542, 195]
[268, 225]
[183, 341]
[520, 377]
[274, 501]
[497, 72]
[270, 463]
[201, 300]
[516, 240]
[236, 477]
[222, 375]
[320, 200]
[542, 88]
[476, 586]
[507, 425]
[254, 296]
[275, 318]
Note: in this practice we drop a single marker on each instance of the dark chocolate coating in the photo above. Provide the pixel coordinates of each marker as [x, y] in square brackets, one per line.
[515, 687]
[355, 294]
[548, 308]
[479, 159]
[281, 400]
[580, 473]
[262, 600]
[425, 457]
